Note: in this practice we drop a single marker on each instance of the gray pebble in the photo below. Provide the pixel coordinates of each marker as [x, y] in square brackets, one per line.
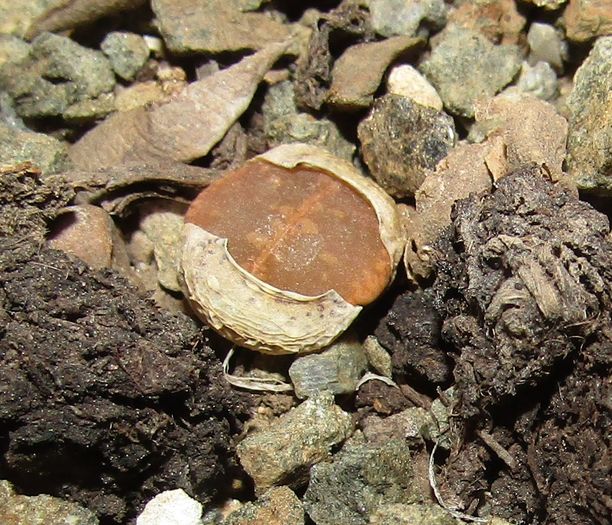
[127, 53]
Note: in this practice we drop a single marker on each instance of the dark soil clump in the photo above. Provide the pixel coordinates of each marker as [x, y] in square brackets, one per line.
[104, 399]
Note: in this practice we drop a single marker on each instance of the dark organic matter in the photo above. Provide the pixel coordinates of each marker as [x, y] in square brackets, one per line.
[104, 399]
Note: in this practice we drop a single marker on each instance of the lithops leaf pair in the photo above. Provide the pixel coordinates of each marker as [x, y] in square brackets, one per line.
[281, 254]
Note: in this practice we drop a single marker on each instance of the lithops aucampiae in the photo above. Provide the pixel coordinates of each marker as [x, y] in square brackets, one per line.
[281, 254]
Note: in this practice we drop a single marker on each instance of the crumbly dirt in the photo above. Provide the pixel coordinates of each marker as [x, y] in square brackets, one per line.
[524, 291]
[104, 399]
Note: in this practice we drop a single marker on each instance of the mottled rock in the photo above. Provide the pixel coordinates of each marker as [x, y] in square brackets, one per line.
[546, 45]
[361, 479]
[406, 17]
[16, 17]
[172, 507]
[539, 81]
[415, 514]
[277, 506]
[90, 109]
[16, 509]
[336, 369]
[407, 82]
[162, 223]
[589, 142]
[12, 49]
[462, 172]
[378, 358]
[547, 4]
[411, 424]
[214, 26]
[465, 67]
[57, 73]
[127, 53]
[88, 232]
[587, 19]
[498, 20]
[401, 140]
[283, 124]
[531, 129]
[283, 453]
[138, 95]
[359, 70]
[43, 151]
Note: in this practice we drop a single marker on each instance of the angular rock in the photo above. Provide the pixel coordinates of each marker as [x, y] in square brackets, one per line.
[531, 130]
[16, 17]
[406, 17]
[57, 73]
[415, 514]
[361, 479]
[172, 507]
[407, 82]
[277, 506]
[412, 424]
[337, 369]
[465, 67]
[89, 110]
[12, 49]
[44, 152]
[378, 358]
[539, 81]
[162, 222]
[587, 19]
[546, 45]
[498, 20]
[16, 509]
[284, 452]
[214, 26]
[283, 124]
[127, 53]
[402, 140]
[589, 141]
[462, 172]
[359, 70]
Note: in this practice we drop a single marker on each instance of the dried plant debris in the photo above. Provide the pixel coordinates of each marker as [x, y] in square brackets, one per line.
[183, 129]
[126, 398]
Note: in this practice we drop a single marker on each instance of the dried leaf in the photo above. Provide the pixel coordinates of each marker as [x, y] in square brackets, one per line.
[183, 129]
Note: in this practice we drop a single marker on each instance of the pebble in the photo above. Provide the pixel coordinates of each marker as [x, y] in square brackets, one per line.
[284, 124]
[546, 45]
[127, 53]
[414, 514]
[539, 80]
[401, 140]
[465, 67]
[361, 479]
[12, 49]
[406, 17]
[214, 26]
[378, 358]
[590, 133]
[411, 424]
[43, 151]
[304, 436]
[277, 506]
[406, 81]
[78, 74]
[336, 369]
[587, 19]
[16, 509]
[172, 507]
